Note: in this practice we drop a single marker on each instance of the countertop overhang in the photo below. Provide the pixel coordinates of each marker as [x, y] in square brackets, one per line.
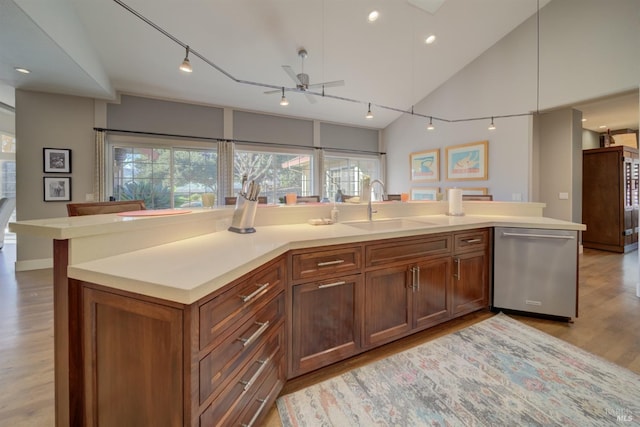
[187, 270]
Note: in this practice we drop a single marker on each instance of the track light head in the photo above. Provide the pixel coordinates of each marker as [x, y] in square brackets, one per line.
[492, 126]
[431, 126]
[369, 113]
[186, 65]
[284, 101]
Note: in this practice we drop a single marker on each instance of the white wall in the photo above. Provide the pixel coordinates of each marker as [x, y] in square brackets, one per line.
[588, 48]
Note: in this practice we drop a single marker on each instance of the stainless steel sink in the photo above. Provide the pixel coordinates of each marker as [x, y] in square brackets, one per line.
[386, 224]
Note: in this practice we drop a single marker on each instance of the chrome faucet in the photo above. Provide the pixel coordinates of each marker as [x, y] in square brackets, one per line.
[370, 210]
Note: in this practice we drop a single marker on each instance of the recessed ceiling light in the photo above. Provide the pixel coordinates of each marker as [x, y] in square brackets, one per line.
[373, 16]
[430, 39]
[602, 127]
[22, 70]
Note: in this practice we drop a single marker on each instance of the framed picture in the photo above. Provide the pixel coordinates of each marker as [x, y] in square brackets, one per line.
[467, 161]
[474, 191]
[425, 193]
[57, 189]
[56, 160]
[425, 165]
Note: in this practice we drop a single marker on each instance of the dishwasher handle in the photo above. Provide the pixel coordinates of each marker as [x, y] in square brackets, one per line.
[537, 236]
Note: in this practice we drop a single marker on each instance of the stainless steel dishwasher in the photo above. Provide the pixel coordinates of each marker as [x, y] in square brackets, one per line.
[536, 271]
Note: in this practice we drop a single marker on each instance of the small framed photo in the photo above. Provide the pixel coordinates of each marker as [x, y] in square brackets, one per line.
[57, 189]
[425, 165]
[425, 193]
[56, 160]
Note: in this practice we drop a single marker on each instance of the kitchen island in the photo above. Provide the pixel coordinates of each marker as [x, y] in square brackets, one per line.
[176, 321]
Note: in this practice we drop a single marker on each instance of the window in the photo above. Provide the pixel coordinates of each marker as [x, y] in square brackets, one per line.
[345, 173]
[162, 174]
[277, 173]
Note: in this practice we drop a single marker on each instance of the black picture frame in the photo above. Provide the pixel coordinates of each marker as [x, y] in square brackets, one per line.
[56, 160]
[56, 188]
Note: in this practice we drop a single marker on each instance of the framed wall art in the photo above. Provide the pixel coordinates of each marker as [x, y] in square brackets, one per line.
[425, 165]
[467, 161]
[56, 189]
[425, 193]
[56, 160]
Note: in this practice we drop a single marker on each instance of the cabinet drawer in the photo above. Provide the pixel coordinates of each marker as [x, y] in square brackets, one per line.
[403, 250]
[469, 241]
[225, 409]
[258, 406]
[228, 308]
[311, 265]
[226, 359]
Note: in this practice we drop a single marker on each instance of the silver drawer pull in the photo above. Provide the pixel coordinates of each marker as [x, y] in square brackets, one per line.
[263, 402]
[252, 295]
[263, 327]
[472, 240]
[331, 285]
[540, 236]
[324, 264]
[247, 384]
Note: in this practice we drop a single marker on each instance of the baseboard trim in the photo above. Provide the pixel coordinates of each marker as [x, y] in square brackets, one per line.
[34, 264]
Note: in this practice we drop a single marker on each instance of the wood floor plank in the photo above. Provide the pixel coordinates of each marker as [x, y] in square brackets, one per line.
[607, 326]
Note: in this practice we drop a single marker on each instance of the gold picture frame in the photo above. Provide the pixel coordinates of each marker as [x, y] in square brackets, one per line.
[424, 193]
[424, 166]
[467, 162]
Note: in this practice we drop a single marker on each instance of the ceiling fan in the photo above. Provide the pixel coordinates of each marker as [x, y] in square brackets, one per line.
[302, 80]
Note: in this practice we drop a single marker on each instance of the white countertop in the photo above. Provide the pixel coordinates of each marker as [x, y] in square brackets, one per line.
[187, 270]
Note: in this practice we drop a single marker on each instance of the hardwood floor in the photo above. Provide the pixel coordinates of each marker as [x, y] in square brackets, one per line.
[606, 326]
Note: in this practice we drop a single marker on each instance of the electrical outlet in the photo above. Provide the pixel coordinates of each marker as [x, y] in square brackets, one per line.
[516, 197]
[88, 197]
[563, 196]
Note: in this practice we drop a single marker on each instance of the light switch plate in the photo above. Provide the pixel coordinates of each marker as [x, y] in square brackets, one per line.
[563, 196]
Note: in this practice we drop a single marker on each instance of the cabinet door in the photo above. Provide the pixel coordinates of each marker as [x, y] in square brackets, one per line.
[133, 361]
[325, 323]
[431, 292]
[470, 285]
[387, 304]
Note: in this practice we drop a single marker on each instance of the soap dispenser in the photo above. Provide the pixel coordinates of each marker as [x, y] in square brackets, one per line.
[334, 214]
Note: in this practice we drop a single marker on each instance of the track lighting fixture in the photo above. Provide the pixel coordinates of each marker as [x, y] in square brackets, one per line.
[369, 113]
[186, 65]
[284, 101]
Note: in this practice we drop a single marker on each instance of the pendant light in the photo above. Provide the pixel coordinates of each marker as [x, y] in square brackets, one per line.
[431, 126]
[284, 101]
[186, 65]
[369, 113]
[492, 126]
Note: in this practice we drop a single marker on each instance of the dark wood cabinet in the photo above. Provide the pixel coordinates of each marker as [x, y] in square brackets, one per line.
[325, 322]
[387, 304]
[610, 198]
[470, 282]
[432, 293]
[145, 361]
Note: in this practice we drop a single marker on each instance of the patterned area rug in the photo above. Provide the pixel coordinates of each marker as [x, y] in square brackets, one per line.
[498, 372]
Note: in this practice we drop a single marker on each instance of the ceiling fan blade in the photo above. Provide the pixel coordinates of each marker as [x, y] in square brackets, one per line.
[334, 83]
[312, 99]
[272, 91]
[287, 69]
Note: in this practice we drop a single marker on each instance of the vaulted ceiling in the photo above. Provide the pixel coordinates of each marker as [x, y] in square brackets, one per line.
[97, 48]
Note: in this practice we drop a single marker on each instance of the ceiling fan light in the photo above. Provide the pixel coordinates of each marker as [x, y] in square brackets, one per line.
[186, 65]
